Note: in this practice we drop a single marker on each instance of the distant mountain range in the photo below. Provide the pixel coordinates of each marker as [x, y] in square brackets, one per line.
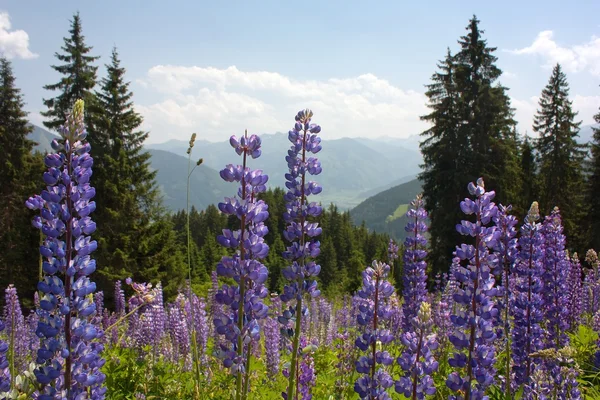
[374, 178]
[353, 169]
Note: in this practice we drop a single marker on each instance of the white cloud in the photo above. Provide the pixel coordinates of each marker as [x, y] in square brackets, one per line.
[577, 58]
[219, 102]
[13, 44]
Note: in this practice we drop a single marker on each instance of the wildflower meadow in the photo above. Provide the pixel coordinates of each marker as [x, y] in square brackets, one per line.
[482, 298]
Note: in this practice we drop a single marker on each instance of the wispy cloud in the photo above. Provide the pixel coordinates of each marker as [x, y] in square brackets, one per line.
[13, 43]
[577, 58]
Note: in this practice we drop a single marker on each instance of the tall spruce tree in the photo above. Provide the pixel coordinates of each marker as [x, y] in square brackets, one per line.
[560, 156]
[130, 217]
[472, 135]
[593, 190]
[17, 170]
[79, 76]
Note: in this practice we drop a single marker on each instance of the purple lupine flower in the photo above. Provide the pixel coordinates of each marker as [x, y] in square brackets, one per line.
[306, 371]
[417, 360]
[591, 287]
[373, 313]
[17, 332]
[119, 299]
[272, 346]
[575, 292]
[300, 232]
[33, 342]
[506, 249]
[527, 302]
[394, 324]
[178, 329]
[68, 347]
[239, 323]
[200, 324]
[4, 367]
[415, 290]
[555, 282]
[474, 335]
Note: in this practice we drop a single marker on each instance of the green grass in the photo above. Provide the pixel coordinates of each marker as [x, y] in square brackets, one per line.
[398, 213]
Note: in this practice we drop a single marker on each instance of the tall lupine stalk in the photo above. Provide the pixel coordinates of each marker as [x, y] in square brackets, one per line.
[415, 277]
[301, 233]
[17, 332]
[555, 281]
[527, 303]
[575, 292]
[5, 377]
[245, 300]
[474, 335]
[68, 358]
[417, 360]
[506, 249]
[192, 327]
[373, 314]
[556, 311]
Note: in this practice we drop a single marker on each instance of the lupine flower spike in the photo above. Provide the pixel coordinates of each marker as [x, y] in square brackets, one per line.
[301, 233]
[417, 361]
[474, 335]
[68, 358]
[373, 315]
[239, 324]
[527, 301]
[506, 249]
[415, 277]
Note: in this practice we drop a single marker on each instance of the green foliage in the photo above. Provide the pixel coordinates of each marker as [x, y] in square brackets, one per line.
[128, 374]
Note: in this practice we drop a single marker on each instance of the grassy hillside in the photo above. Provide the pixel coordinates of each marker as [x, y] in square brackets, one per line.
[385, 212]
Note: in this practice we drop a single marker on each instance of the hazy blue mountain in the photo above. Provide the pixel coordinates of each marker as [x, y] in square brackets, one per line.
[352, 168]
[43, 138]
[385, 212]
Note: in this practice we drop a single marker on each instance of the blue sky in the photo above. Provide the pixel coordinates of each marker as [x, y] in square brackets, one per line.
[217, 68]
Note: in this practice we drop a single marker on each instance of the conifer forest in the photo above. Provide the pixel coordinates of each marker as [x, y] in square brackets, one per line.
[492, 291]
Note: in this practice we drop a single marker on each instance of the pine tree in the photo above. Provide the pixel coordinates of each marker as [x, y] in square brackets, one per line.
[593, 191]
[131, 217]
[472, 135]
[17, 170]
[79, 77]
[560, 156]
[444, 157]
